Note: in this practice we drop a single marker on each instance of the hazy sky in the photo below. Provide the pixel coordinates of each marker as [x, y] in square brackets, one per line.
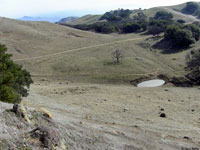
[19, 8]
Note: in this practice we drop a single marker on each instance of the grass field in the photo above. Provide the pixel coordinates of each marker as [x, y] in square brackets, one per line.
[92, 64]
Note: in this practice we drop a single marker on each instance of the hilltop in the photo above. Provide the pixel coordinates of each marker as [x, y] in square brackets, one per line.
[177, 11]
[67, 19]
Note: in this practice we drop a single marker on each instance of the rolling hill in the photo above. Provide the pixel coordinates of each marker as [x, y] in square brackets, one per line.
[67, 19]
[175, 10]
[71, 70]
[64, 51]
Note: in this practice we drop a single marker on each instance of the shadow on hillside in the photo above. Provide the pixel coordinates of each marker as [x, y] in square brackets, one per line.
[166, 47]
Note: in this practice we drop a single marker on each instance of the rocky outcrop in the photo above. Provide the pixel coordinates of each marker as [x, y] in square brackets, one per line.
[23, 128]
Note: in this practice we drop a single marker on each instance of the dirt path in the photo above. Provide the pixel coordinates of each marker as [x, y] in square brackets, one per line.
[82, 48]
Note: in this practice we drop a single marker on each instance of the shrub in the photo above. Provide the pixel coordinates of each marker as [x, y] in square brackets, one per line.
[191, 8]
[157, 26]
[131, 27]
[181, 21]
[194, 29]
[116, 15]
[14, 80]
[193, 65]
[178, 36]
[163, 15]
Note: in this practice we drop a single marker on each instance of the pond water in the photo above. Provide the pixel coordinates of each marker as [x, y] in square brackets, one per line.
[151, 83]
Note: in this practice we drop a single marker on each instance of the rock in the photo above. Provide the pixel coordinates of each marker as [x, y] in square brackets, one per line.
[21, 111]
[186, 137]
[125, 109]
[48, 137]
[46, 113]
[162, 109]
[163, 115]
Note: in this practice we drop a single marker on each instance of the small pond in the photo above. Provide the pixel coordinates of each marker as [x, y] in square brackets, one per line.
[151, 83]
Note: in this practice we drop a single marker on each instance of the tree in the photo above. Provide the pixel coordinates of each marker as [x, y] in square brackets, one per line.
[14, 80]
[131, 27]
[181, 21]
[193, 65]
[157, 26]
[194, 29]
[117, 54]
[116, 15]
[179, 37]
[191, 8]
[163, 15]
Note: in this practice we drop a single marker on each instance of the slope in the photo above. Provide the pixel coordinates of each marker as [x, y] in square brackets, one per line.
[175, 10]
[83, 56]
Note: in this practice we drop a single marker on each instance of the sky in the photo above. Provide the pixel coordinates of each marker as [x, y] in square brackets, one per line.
[20, 8]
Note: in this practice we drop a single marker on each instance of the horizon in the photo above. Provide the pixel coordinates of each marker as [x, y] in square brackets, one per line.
[52, 8]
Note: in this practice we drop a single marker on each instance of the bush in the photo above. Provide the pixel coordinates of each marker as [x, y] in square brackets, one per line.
[116, 15]
[163, 15]
[157, 26]
[131, 27]
[194, 29]
[178, 36]
[193, 65]
[181, 21]
[14, 80]
[103, 28]
[191, 8]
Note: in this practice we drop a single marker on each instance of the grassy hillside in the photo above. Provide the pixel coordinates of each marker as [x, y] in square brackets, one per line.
[175, 10]
[93, 64]
[177, 15]
[88, 19]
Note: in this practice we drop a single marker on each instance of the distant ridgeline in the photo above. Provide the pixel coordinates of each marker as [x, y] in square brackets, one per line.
[192, 8]
[176, 32]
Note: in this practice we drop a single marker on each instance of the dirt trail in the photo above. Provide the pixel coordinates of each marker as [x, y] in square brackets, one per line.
[82, 48]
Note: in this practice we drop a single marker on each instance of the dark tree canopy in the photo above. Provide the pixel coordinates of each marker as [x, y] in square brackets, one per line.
[116, 15]
[157, 26]
[14, 80]
[193, 65]
[194, 29]
[179, 37]
[163, 15]
[191, 8]
[131, 27]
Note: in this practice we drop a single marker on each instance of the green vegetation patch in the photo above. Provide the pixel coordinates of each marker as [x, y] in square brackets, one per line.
[14, 80]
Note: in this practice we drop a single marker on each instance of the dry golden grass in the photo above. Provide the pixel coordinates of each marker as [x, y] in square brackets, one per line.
[88, 64]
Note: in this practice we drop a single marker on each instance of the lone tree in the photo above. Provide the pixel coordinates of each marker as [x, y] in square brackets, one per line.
[193, 65]
[117, 54]
[14, 80]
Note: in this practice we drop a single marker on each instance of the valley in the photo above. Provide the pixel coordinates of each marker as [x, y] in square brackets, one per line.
[90, 98]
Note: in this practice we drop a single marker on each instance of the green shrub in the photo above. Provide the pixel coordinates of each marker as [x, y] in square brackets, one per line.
[157, 26]
[14, 80]
[131, 27]
[163, 15]
[178, 36]
[116, 15]
[191, 8]
[194, 29]
[181, 21]
[193, 65]
[9, 95]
